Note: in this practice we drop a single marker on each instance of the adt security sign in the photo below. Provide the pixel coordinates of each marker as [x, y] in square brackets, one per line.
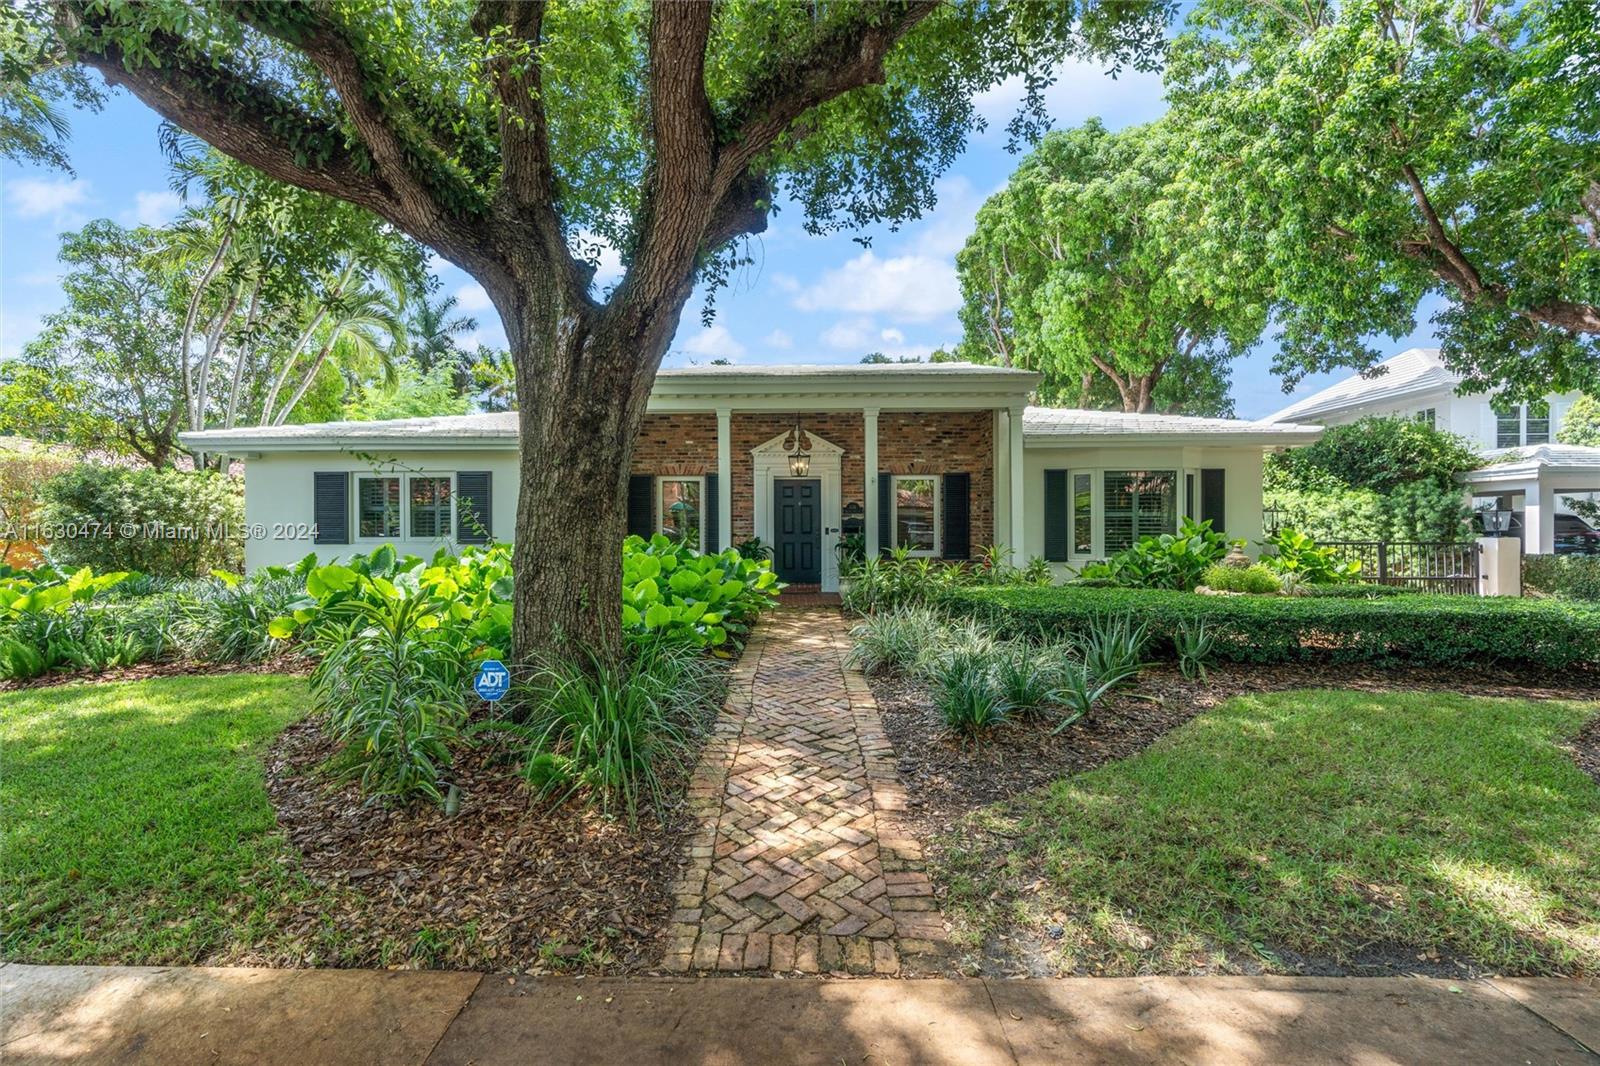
[493, 681]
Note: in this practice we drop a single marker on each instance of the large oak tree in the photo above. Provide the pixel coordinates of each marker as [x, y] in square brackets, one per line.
[1370, 153]
[1089, 268]
[510, 136]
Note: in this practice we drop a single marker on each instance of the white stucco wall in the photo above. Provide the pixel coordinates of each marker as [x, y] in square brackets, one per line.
[278, 500]
[1470, 416]
[1242, 485]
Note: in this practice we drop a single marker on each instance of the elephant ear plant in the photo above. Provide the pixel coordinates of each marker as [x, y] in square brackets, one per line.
[397, 639]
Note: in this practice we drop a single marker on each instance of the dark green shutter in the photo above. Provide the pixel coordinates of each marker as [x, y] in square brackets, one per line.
[474, 506]
[711, 518]
[1057, 517]
[1213, 498]
[330, 506]
[885, 515]
[957, 516]
[642, 505]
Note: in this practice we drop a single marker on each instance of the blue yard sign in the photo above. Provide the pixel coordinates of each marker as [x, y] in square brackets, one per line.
[493, 681]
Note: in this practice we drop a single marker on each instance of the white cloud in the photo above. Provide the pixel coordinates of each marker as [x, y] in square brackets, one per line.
[854, 334]
[1082, 89]
[473, 297]
[34, 197]
[154, 208]
[944, 231]
[713, 342]
[777, 339]
[892, 336]
[785, 282]
[907, 287]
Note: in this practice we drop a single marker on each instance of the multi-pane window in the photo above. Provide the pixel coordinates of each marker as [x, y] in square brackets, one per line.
[915, 502]
[1507, 427]
[1428, 417]
[1537, 424]
[1138, 504]
[1082, 519]
[1522, 424]
[430, 507]
[680, 508]
[378, 507]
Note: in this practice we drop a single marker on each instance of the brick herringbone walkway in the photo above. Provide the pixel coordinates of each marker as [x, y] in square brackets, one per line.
[801, 863]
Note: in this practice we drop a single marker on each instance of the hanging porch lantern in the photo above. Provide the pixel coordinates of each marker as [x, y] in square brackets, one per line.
[799, 456]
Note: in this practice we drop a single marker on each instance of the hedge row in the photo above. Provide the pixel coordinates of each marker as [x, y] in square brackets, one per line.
[1417, 629]
[1574, 576]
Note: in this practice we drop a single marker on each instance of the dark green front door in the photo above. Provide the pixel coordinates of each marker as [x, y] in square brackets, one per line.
[797, 530]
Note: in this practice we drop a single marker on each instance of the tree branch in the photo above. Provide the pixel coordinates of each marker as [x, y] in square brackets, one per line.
[847, 57]
[1467, 275]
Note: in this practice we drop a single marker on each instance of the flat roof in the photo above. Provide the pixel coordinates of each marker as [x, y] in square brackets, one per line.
[1044, 426]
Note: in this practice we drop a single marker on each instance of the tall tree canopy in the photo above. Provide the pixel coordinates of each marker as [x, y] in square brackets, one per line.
[1088, 268]
[1371, 152]
[508, 136]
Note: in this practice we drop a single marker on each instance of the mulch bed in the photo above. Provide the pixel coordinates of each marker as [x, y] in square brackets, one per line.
[284, 664]
[506, 883]
[946, 779]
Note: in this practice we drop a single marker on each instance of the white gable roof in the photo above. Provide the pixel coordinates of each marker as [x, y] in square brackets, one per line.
[1415, 370]
[1043, 426]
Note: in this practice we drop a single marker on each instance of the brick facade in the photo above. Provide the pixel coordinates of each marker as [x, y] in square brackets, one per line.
[941, 442]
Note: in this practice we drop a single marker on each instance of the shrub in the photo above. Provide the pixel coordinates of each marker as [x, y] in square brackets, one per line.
[613, 732]
[1025, 674]
[1375, 453]
[21, 475]
[895, 641]
[1193, 642]
[1297, 554]
[53, 621]
[1574, 577]
[1081, 688]
[226, 618]
[1256, 578]
[393, 685]
[965, 693]
[1169, 561]
[1114, 646]
[184, 524]
[1415, 628]
[672, 592]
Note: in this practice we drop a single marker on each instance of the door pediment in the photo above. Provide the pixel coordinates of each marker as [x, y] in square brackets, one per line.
[777, 445]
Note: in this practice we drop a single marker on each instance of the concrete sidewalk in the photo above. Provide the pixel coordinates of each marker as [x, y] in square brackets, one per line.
[177, 1017]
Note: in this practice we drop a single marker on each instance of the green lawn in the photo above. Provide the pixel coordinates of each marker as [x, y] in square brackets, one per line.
[1326, 823]
[134, 824]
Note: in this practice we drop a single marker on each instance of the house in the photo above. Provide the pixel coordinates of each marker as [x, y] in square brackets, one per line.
[939, 459]
[1526, 472]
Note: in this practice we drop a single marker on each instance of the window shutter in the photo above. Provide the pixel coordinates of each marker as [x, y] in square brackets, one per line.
[711, 520]
[957, 516]
[330, 506]
[1056, 516]
[885, 512]
[1213, 498]
[474, 505]
[641, 505]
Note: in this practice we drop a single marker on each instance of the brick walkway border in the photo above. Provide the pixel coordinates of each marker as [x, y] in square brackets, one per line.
[802, 862]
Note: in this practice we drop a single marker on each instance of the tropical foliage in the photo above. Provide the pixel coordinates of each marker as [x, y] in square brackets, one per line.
[1167, 561]
[672, 592]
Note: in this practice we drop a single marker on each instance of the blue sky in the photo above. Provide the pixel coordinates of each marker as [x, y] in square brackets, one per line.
[804, 299]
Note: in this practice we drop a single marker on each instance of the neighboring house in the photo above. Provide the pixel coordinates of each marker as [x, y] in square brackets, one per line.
[940, 459]
[1526, 474]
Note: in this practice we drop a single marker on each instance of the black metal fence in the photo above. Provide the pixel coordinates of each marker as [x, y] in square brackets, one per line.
[1444, 568]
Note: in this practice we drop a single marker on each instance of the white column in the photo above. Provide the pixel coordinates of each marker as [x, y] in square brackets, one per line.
[1539, 518]
[1001, 509]
[869, 436]
[724, 478]
[1018, 525]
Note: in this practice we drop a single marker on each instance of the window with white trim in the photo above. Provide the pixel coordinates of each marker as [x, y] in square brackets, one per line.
[1521, 424]
[430, 499]
[378, 508]
[1082, 516]
[680, 507]
[1428, 416]
[914, 515]
[1138, 504]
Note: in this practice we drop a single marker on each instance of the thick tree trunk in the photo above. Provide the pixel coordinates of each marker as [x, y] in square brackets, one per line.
[583, 381]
